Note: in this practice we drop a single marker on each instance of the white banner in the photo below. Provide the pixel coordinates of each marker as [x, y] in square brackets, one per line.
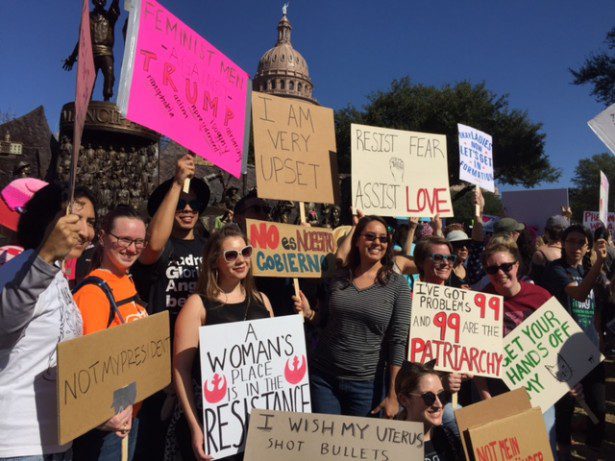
[476, 157]
[245, 365]
[603, 206]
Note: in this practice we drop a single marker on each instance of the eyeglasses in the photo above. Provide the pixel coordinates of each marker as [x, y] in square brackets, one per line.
[125, 242]
[232, 255]
[443, 259]
[506, 268]
[371, 237]
[576, 243]
[195, 205]
[429, 398]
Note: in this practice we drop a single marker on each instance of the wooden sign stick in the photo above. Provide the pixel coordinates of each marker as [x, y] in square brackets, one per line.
[303, 221]
[583, 404]
[125, 448]
[477, 206]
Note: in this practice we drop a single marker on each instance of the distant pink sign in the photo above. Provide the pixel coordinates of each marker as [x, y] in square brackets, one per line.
[183, 87]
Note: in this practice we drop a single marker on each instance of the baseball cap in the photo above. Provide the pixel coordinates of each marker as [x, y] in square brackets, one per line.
[507, 225]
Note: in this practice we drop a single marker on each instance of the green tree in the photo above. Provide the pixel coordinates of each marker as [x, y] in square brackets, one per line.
[585, 195]
[518, 143]
[599, 71]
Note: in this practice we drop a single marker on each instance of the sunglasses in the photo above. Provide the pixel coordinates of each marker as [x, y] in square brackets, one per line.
[371, 237]
[506, 268]
[459, 245]
[429, 398]
[441, 259]
[195, 205]
[232, 255]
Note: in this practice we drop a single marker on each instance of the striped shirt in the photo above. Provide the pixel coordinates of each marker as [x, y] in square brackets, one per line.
[362, 329]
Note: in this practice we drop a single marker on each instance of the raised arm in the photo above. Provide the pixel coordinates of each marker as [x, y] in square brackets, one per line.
[581, 291]
[343, 250]
[161, 226]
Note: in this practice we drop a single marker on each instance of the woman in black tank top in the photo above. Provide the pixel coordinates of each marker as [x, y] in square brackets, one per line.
[225, 293]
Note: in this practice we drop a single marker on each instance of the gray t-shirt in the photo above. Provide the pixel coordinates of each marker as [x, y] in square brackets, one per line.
[362, 328]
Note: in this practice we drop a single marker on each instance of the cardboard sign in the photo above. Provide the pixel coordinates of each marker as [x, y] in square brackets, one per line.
[86, 76]
[603, 205]
[509, 438]
[280, 436]
[591, 220]
[476, 157]
[102, 373]
[399, 173]
[534, 207]
[604, 127]
[462, 329]
[547, 355]
[284, 250]
[485, 411]
[294, 149]
[246, 365]
[177, 83]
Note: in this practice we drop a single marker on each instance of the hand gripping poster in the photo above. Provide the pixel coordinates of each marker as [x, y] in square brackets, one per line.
[245, 365]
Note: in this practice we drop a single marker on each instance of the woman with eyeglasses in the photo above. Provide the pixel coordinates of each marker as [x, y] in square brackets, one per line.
[107, 297]
[225, 293]
[572, 280]
[521, 299]
[364, 316]
[422, 397]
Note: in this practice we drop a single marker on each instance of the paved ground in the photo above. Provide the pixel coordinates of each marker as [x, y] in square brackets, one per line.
[607, 453]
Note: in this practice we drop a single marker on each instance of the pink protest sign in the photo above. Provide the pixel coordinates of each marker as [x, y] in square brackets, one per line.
[178, 84]
[86, 76]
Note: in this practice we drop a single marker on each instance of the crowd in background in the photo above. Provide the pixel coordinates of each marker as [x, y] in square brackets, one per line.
[125, 268]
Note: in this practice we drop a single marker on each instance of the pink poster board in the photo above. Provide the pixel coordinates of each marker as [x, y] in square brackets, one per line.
[86, 76]
[177, 83]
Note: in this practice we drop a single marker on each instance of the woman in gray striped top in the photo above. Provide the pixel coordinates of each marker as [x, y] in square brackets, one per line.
[364, 317]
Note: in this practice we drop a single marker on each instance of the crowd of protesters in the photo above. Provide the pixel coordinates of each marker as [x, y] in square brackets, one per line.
[358, 318]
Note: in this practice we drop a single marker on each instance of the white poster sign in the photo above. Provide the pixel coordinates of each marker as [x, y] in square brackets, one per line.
[399, 173]
[604, 127]
[603, 205]
[476, 157]
[245, 365]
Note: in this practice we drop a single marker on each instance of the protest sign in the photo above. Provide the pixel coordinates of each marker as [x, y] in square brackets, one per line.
[534, 207]
[547, 355]
[485, 411]
[399, 173]
[245, 365]
[294, 149]
[102, 373]
[86, 76]
[591, 220]
[604, 127]
[280, 436]
[476, 157]
[284, 250]
[461, 329]
[603, 205]
[509, 439]
[176, 83]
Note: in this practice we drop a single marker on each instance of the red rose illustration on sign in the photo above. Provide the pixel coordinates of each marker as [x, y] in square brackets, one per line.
[218, 390]
[296, 374]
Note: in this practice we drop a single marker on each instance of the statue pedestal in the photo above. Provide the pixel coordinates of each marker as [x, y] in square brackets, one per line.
[118, 159]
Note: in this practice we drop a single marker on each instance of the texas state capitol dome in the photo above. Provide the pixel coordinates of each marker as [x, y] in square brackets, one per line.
[282, 71]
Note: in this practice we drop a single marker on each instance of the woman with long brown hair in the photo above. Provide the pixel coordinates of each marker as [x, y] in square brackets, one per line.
[225, 293]
[364, 317]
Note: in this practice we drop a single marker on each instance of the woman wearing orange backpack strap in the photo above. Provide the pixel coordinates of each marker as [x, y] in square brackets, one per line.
[107, 298]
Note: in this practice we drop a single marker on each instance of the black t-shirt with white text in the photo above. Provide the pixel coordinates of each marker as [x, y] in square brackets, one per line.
[167, 283]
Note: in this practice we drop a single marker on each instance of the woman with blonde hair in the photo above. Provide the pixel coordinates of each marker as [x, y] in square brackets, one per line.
[225, 293]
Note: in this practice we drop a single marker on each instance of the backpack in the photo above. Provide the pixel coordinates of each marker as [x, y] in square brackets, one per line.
[114, 305]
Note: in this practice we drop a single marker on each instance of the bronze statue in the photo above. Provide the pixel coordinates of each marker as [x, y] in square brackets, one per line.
[102, 28]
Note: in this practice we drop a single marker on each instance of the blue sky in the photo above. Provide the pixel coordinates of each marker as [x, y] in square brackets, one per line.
[354, 47]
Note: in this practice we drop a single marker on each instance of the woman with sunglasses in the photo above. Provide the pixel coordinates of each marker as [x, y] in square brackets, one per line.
[461, 248]
[364, 316]
[572, 280]
[107, 297]
[521, 299]
[225, 293]
[422, 397]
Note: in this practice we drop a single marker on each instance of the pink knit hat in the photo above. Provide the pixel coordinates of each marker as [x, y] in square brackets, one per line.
[20, 191]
